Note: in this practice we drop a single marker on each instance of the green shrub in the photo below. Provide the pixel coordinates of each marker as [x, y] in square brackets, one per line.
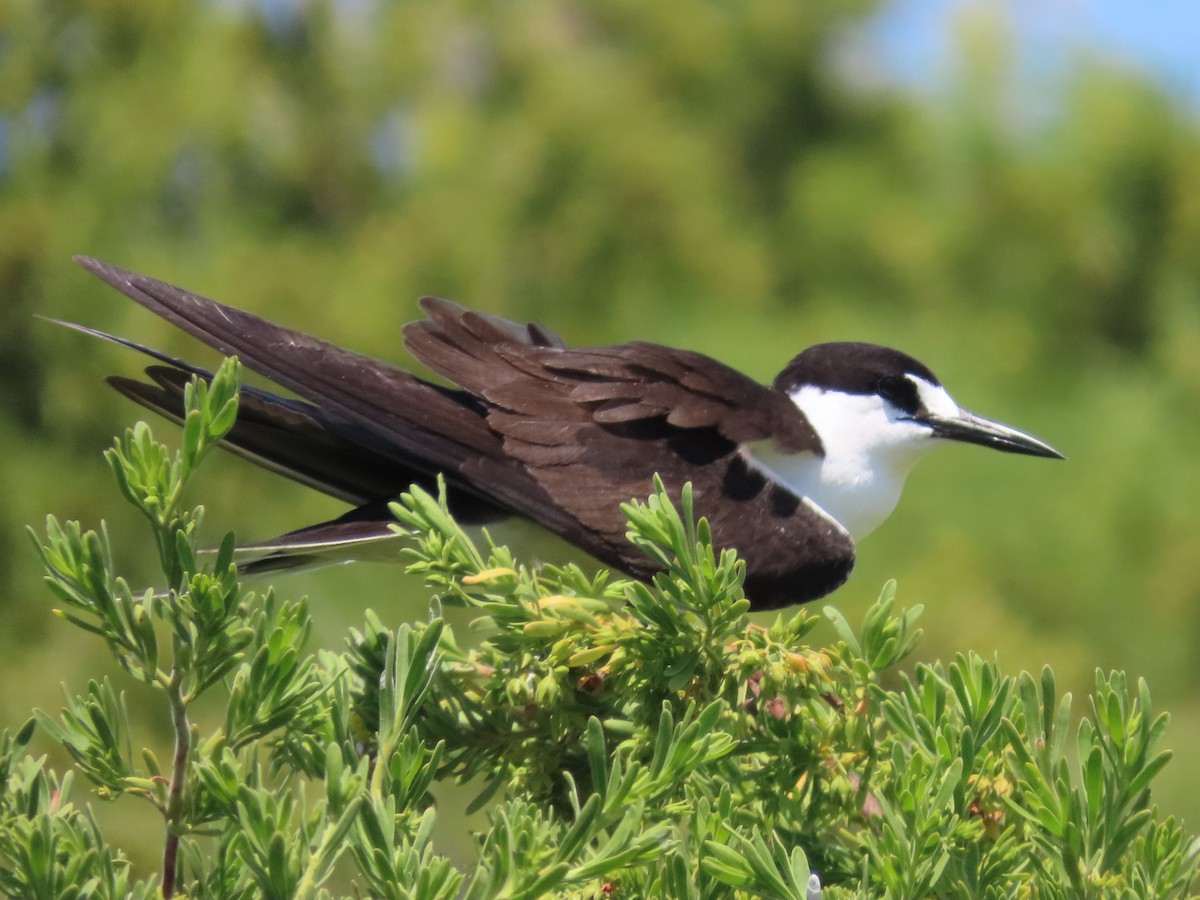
[627, 740]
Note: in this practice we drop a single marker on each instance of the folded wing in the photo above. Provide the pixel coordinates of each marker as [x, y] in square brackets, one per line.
[594, 425]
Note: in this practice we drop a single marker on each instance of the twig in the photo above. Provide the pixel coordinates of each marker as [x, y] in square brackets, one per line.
[174, 810]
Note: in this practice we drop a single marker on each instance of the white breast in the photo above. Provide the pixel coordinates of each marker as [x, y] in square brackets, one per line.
[870, 447]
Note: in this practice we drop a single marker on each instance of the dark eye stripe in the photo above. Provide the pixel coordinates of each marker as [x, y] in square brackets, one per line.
[900, 392]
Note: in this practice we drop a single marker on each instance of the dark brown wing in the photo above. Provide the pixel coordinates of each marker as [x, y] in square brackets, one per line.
[382, 409]
[593, 426]
[290, 437]
[379, 399]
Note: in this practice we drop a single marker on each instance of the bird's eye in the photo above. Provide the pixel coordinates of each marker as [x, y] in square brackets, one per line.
[890, 389]
[898, 391]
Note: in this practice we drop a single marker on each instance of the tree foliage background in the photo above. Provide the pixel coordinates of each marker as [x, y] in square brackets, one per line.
[718, 176]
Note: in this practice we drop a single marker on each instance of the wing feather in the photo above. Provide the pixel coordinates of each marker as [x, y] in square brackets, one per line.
[373, 404]
[594, 425]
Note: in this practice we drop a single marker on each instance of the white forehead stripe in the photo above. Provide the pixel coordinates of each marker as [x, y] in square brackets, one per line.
[934, 397]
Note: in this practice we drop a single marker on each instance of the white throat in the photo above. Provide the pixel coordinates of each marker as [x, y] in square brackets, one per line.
[870, 447]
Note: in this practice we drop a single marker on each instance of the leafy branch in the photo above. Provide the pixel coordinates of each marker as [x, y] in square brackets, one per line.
[624, 738]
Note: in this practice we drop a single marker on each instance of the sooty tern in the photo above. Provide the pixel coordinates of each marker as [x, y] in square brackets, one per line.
[790, 475]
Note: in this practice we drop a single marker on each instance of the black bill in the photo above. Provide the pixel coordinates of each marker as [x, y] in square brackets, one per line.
[972, 429]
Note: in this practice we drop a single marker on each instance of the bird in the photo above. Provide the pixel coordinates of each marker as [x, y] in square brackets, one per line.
[791, 475]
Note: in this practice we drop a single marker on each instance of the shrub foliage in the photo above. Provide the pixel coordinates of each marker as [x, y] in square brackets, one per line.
[626, 739]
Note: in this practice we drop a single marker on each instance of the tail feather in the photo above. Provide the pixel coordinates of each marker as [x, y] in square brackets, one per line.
[284, 437]
[365, 533]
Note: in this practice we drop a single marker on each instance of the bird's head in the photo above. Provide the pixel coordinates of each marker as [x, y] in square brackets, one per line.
[874, 403]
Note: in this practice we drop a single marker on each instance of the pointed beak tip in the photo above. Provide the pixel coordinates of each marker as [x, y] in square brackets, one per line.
[1018, 442]
[1044, 451]
[972, 429]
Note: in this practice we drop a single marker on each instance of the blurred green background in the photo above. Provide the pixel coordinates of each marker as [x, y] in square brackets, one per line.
[732, 178]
